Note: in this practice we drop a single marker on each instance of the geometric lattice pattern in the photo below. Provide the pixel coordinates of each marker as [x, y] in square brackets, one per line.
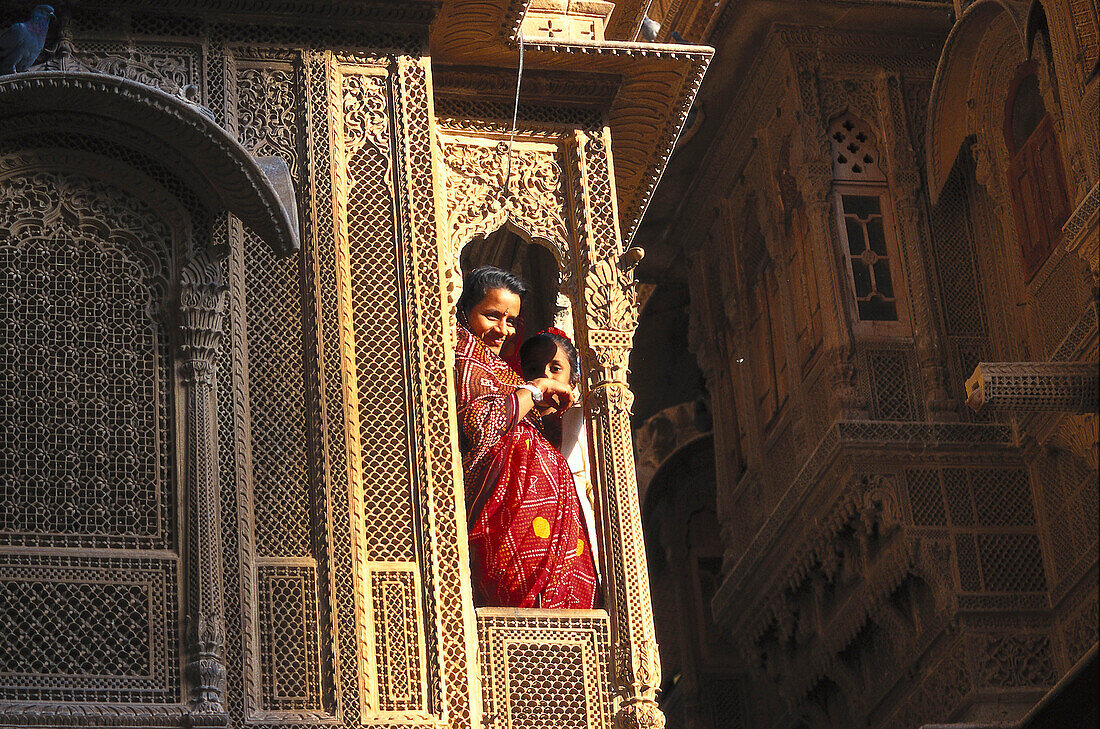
[88, 630]
[892, 387]
[1011, 562]
[545, 671]
[83, 366]
[955, 261]
[288, 638]
[1002, 497]
[960, 497]
[380, 362]
[991, 513]
[925, 498]
[273, 300]
[396, 620]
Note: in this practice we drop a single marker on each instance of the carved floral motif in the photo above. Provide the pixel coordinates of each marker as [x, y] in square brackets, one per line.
[267, 119]
[478, 203]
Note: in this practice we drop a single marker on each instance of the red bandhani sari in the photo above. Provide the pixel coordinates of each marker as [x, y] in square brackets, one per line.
[528, 544]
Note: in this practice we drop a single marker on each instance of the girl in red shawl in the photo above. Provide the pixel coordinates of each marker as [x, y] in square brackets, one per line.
[528, 544]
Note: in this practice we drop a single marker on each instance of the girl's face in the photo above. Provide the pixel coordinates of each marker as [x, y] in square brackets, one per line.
[549, 361]
[493, 319]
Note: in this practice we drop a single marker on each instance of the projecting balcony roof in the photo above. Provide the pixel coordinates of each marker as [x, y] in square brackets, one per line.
[646, 110]
[213, 163]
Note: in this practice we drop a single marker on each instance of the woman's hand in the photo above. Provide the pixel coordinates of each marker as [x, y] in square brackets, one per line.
[557, 397]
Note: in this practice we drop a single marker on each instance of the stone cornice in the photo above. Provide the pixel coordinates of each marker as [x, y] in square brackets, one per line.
[547, 87]
[864, 438]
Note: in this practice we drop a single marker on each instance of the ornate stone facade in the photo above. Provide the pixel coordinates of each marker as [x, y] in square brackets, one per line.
[232, 491]
[855, 241]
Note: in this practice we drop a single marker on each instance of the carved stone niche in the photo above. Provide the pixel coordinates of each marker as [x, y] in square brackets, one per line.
[108, 193]
[553, 188]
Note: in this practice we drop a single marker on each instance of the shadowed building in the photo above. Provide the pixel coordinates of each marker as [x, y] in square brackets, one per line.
[878, 213]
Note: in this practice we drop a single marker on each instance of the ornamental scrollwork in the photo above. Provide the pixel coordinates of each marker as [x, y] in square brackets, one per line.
[366, 116]
[611, 298]
[478, 203]
[266, 112]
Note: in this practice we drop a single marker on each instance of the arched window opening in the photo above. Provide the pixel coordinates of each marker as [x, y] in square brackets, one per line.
[865, 223]
[532, 263]
[1035, 175]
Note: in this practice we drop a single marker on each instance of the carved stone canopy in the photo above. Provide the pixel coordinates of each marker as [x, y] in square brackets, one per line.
[946, 127]
[209, 160]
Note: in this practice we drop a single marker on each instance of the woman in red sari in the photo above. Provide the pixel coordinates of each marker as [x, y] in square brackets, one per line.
[528, 544]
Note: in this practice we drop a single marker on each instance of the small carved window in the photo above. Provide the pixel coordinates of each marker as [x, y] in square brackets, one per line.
[1035, 174]
[866, 228]
[855, 153]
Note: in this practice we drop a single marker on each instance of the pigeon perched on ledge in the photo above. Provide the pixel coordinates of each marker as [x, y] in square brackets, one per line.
[22, 42]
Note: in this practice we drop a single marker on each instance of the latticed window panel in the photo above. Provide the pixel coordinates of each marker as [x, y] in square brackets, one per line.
[892, 383]
[970, 573]
[395, 620]
[82, 629]
[85, 377]
[288, 638]
[376, 311]
[723, 694]
[960, 500]
[381, 369]
[990, 514]
[1002, 497]
[955, 262]
[925, 497]
[1011, 562]
[273, 311]
[545, 671]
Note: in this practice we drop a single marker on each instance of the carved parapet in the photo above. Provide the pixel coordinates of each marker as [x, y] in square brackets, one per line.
[1032, 386]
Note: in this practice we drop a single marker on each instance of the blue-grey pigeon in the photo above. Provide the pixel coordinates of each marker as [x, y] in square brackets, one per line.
[22, 42]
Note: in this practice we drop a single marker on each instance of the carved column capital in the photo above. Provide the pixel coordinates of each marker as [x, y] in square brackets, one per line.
[201, 308]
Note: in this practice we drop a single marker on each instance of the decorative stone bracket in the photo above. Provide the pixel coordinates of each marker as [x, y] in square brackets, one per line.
[1033, 386]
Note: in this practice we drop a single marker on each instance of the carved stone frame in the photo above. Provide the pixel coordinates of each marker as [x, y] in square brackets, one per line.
[561, 195]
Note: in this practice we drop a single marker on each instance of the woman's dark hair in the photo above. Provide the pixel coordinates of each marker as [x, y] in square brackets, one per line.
[479, 282]
[529, 348]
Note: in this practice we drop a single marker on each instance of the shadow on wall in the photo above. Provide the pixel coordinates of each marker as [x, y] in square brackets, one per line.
[663, 371]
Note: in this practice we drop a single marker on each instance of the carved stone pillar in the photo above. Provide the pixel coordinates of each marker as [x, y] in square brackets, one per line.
[912, 231]
[847, 403]
[604, 337]
[201, 306]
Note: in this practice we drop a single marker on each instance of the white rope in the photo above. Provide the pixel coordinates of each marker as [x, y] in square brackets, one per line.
[515, 119]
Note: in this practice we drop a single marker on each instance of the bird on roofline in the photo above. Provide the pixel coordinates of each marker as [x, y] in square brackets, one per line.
[21, 43]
